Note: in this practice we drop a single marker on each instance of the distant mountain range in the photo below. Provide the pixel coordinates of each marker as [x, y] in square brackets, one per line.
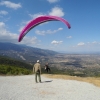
[25, 53]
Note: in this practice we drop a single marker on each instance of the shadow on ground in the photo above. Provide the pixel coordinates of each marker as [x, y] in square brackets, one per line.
[47, 81]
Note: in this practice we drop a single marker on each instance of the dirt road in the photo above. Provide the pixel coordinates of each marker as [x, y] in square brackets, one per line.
[25, 88]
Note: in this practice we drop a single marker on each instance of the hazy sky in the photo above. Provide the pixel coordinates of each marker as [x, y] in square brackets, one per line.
[83, 16]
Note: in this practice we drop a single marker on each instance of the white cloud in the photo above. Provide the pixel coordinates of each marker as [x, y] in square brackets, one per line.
[21, 28]
[56, 42]
[30, 41]
[89, 44]
[60, 29]
[10, 4]
[69, 37]
[94, 42]
[48, 31]
[2, 25]
[2, 12]
[53, 1]
[36, 15]
[56, 11]
[81, 44]
[6, 36]
[23, 24]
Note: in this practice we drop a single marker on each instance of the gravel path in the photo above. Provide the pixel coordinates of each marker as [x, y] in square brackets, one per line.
[25, 88]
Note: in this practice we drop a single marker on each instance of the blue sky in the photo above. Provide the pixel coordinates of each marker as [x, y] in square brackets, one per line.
[83, 16]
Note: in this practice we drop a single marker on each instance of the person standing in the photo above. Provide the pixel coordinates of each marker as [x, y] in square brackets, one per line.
[37, 71]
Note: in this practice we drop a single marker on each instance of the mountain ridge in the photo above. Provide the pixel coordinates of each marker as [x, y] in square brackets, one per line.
[25, 53]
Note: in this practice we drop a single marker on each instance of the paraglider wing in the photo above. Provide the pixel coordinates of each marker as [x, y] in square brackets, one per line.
[38, 21]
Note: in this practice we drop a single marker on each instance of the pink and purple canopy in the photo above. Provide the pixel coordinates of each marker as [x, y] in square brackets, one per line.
[38, 21]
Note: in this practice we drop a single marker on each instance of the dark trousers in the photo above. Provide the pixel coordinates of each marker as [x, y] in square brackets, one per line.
[47, 69]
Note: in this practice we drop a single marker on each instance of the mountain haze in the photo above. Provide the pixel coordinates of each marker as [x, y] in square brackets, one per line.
[25, 53]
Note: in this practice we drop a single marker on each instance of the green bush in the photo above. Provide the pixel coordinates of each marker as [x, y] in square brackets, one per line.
[11, 70]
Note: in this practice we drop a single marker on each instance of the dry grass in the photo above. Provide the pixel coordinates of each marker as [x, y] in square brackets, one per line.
[93, 80]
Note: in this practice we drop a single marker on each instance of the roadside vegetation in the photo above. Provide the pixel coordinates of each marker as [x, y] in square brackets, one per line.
[10, 66]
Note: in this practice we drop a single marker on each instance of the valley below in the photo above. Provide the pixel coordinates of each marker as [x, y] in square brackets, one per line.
[77, 64]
